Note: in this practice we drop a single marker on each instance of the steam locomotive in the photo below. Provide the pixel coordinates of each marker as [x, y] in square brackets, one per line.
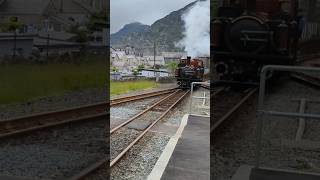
[248, 34]
[188, 71]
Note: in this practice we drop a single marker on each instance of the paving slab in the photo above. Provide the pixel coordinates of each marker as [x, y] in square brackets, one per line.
[246, 172]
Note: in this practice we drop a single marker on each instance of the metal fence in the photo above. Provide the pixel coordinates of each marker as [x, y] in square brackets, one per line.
[262, 112]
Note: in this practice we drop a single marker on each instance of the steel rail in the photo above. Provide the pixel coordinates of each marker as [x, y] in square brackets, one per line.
[233, 109]
[38, 121]
[143, 112]
[120, 155]
[84, 173]
[217, 92]
[311, 80]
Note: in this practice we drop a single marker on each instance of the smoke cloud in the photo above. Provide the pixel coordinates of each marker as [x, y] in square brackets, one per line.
[196, 41]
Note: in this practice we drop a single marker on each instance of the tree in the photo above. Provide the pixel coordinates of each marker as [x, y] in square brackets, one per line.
[213, 7]
[114, 69]
[140, 67]
[135, 72]
[172, 66]
[81, 33]
[98, 21]
[11, 25]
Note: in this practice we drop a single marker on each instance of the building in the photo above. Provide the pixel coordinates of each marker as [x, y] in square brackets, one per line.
[149, 61]
[173, 56]
[19, 45]
[49, 15]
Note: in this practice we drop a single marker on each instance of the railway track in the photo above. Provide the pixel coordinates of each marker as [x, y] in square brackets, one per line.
[139, 96]
[38, 121]
[88, 113]
[226, 103]
[306, 78]
[162, 108]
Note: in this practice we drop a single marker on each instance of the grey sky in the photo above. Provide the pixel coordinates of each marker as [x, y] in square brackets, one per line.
[144, 11]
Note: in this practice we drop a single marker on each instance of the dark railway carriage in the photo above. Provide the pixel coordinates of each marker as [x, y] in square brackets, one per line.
[248, 34]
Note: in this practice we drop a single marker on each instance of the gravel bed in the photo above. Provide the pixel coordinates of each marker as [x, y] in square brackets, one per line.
[129, 109]
[43, 104]
[234, 144]
[121, 139]
[139, 161]
[54, 153]
[101, 174]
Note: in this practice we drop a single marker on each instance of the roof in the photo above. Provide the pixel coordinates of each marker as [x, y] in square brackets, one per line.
[57, 35]
[173, 54]
[158, 58]
[24, 6]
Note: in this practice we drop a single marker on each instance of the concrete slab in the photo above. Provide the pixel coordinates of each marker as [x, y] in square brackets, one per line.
[139, 125]
[190, 159]
[167, 129]
[114, 121]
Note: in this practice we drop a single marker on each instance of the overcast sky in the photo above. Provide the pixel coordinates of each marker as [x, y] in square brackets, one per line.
[144, 11]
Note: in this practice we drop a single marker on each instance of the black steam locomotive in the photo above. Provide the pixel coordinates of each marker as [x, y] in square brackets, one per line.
[189, 71]
[248, 34]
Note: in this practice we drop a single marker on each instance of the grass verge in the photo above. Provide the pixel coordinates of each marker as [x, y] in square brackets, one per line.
[117, 87]
[22, 82]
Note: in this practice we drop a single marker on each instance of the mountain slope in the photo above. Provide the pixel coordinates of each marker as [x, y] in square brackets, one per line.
[129, 29]
[165, 32]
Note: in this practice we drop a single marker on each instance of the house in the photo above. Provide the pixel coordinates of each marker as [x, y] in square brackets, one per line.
[173, 56]
[150, 61]
[49, 15]
[16, 45]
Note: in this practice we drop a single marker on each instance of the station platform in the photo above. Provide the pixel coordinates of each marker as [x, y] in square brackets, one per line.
[187, 155]
[246, 172]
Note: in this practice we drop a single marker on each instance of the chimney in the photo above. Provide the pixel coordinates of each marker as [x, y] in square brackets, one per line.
[188, 60]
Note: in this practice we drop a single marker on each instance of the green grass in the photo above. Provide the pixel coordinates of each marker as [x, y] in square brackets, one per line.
[22, 82]
[117, 88]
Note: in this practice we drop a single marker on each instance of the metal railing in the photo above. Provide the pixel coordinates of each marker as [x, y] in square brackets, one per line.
[204, 98]
[261, 111]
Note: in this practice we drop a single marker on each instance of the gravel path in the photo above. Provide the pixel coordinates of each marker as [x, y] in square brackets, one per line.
[234, 144]
[53, 103]
[54, 153]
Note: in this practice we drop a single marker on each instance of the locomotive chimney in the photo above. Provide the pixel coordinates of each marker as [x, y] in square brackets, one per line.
[188, 59]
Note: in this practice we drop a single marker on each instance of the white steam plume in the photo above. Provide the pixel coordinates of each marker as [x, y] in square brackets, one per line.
[196, 41]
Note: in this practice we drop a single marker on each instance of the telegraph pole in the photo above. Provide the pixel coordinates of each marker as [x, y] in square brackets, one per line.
[14, 43]
[154, 59]
[48, 39]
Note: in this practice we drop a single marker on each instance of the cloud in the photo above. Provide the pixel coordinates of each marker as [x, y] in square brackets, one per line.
[145, 11]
